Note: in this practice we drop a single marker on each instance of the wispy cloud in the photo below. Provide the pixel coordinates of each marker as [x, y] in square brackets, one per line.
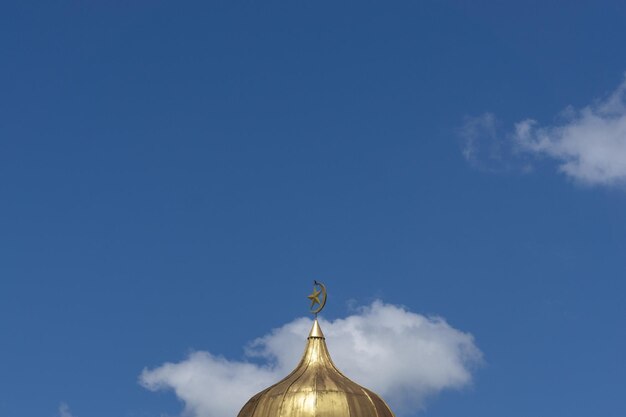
[482, 145]
[589, 145]
[403, 356]
[64, 410]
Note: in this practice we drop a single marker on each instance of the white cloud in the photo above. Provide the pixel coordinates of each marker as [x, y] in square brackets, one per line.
[589, 144]
[403, 356]
[64, 410]
[485, 148]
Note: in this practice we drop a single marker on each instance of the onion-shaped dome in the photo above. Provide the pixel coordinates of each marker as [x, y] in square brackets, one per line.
[316, 388]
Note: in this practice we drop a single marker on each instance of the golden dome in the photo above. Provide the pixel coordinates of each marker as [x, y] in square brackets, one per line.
[316, 388]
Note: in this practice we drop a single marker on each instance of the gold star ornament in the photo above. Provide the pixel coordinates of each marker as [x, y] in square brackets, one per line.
[318, 297]
[314, 297]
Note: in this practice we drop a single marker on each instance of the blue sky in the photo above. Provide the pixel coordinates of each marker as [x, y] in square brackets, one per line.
[173, 177]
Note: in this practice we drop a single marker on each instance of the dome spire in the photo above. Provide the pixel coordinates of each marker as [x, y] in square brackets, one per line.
[316, 387]
[316, 331]
[319, 291]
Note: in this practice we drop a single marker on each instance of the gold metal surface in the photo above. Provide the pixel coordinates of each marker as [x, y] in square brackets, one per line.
[316, 388]
[316, 331]
[318, 289]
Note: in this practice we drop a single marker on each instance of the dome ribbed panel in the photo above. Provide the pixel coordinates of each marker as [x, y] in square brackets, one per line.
[316, 388]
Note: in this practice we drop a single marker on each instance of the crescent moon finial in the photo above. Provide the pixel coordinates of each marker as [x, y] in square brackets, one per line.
[319, 291]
